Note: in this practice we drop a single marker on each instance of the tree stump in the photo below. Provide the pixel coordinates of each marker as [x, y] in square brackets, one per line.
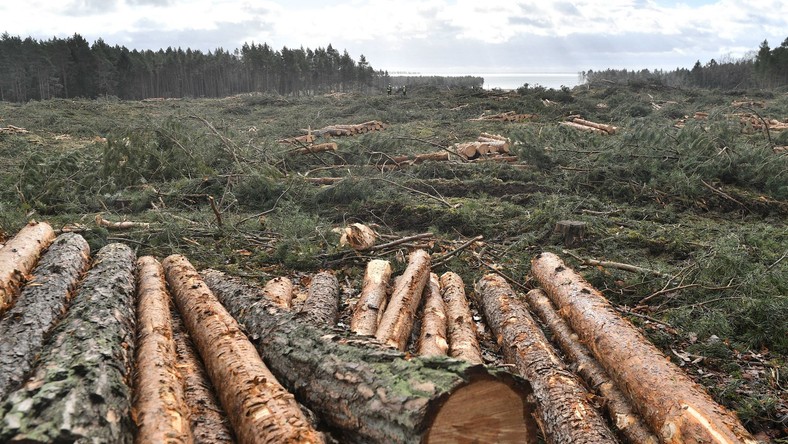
[573, 232]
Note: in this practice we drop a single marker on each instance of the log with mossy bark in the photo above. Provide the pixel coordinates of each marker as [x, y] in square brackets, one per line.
[41, 304]
[369, 393]
[79, 391]
[397, 321]
[676, 408]
[623, 416]
[432, 335]
[321, 306]
[565, 413]
[259, 408]
[372, 301]
[160, 410]
[460, 329]
[18, 257]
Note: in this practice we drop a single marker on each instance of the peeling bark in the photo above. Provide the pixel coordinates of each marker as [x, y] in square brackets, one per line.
[160, 411]
[372, 301]
[566, 415]
[623, 416]
[397, 322]
[280, 291]
[80, 391]
[18, 257]
[460, 329]
[321, 306]
[368, 393]
[40, 305]
[677, 409]
[259, 408]
[432, 340]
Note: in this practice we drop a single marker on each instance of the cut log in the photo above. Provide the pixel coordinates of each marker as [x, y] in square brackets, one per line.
[372, 301]
[279, 290]
[79, 390]
[467, 150]
[440, 156]
[573, 232]
[565, 413]
[397, 322]
[18, 257]
[622, 414]
[122, 225]
[432, 338]
[610, 129]
[580, 127]
[259, 408]
[317, 148]
[460, 329]
[370, 393]
[321, 306]
[160, 411]
[207, 420]
[358, 236]
[40, 305]
[676, 408]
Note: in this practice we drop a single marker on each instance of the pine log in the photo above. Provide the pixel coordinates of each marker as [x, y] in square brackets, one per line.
[397, 321]
[122, 225]
[317, 148]
[370, 393]
[18, 257]
[207, 420]
[432, 337]
[580, 127]
[40, 305]
[321, 306]
[79, 391]
[676, 408]
[565, 413]
[280, 291]
[440, 156]
[610, 129]
[160, 410]
[259, 408]
[372, 301]
[622, 414]
[467, 150]
[460, 329]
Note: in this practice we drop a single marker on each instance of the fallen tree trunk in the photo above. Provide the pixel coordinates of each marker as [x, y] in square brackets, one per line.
[18, 257]
[79, 391]
[580, 127]
[160, 411]
[279, 290]
[207, 420]
[397, 321]
[610, 129]
[259, 408]
[440, 156]
[40, 305]
[460, 328]
[621, 412]
[372, 301]
[676, 408]
[370, 393]
[432, 338]
[566, 415]
[321, 306]
[122, 225]
[317, 148]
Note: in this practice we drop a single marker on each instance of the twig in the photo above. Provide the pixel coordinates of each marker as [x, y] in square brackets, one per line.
[399, 241]
[216, 211]
[437, 145]
[442, 258]
[765, 125]
[510, 279]
[682, 287]
[618, 265]
[228, 144]
[777, 261]
[270, 210]
[441, 200]
[641, 316]
[723, 194]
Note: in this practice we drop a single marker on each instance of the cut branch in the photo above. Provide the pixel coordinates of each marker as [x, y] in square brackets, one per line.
[461, 331]
[372, 301]
[123, 225]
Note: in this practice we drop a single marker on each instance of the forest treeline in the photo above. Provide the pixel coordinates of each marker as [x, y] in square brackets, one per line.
[70, 67]
[766, 68]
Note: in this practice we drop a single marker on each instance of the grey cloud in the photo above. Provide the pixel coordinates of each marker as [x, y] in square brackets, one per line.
[149, 2]
[528, 21]
[567, 8]
[90, 7]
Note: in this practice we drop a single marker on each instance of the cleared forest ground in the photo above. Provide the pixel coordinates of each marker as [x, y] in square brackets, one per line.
[681, 210]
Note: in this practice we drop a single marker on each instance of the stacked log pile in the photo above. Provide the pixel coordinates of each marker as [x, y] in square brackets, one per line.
[581, 124]
[335, 131]
[143, 351]
[486, 146]
[509, 116]
[11, 129]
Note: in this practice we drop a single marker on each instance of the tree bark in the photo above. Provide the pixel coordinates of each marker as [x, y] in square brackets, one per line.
[369, 393]
[259, 408]
[79, 392]
[432, 338]
[372, 302]
[460, 328]
[397, 322]
[40, 305]
[585, 128]
[280, 291]
[626, 420]
[566, 415]
[321, 306]
[160, 410]
[207, 420]
[676, 408]
[18, 257]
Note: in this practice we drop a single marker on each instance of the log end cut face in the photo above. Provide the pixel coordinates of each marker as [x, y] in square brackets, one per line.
[486, 410]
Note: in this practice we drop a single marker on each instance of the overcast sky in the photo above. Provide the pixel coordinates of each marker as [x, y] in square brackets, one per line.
[428, 36]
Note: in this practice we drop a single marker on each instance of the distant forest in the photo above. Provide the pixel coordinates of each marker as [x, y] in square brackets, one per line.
[766, 68]
[70, 67]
